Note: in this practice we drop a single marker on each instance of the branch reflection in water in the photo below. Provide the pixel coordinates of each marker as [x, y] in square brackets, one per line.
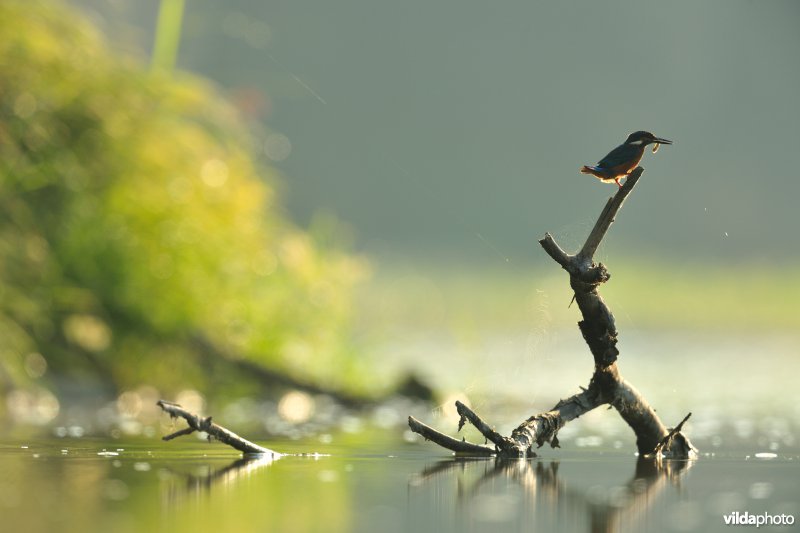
[176, 486]
[501, 490]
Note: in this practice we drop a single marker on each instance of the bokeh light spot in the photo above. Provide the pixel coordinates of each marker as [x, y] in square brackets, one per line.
[296, 407]
[191, 400]
[88, 332]
[36, 406]
[129, 403]
[35, 365]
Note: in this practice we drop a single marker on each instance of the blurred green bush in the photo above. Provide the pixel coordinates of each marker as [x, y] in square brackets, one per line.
[134, 222]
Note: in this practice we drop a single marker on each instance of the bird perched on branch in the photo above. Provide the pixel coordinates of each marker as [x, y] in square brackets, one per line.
[623, 159]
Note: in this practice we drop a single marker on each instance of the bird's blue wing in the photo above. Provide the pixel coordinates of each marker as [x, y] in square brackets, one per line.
[618, 155]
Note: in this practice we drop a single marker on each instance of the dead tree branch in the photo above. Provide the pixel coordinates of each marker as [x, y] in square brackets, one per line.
[607, 385]
[446, 441]
[197, 423]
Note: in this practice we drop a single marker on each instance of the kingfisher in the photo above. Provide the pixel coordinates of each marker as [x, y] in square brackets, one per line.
[623, 159]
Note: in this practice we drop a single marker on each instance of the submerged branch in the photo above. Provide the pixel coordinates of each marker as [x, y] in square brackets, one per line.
[468, 414]
[544, 427]
[675, 444]
[446, 441]
[197, 423]
[607, 385]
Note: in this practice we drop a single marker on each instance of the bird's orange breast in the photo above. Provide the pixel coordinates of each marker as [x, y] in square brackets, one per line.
[624, 168]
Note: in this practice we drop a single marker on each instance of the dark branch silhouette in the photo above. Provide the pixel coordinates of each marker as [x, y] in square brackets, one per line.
[606, 386]
[197, 423]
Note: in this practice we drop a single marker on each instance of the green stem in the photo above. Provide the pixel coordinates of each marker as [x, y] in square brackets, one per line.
[168, 35]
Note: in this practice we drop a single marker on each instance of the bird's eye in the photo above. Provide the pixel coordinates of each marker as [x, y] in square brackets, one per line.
[655, 147]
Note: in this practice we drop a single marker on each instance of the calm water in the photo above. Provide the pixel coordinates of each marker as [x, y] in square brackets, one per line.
[377, 480]
[375, 476]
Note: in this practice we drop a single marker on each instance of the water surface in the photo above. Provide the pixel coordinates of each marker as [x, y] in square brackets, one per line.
[376, 481]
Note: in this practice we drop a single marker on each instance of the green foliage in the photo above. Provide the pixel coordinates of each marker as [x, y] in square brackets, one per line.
[134, 221]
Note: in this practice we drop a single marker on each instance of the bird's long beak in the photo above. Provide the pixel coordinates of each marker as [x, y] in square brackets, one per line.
[659, 140]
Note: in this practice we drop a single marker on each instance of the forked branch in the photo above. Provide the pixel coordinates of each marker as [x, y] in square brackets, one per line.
[606, 386]
[197, 423]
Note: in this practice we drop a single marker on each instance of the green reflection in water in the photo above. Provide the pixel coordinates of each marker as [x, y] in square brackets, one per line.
[374, 482]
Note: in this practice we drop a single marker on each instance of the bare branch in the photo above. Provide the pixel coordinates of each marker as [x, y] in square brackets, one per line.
[555, 251]
[468, 414]
[179, 433]
[675, 444]
[544, 427]
[445, 441]
[607, 216]
[599, 331]
[639, 415]
[196, 423]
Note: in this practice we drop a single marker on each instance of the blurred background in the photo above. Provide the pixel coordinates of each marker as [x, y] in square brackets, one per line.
[216, 201]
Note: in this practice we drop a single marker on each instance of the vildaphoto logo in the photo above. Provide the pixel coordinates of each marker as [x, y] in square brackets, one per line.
[764, 519]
